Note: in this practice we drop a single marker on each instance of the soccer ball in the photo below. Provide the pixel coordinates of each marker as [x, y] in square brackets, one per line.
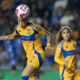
[22, 11]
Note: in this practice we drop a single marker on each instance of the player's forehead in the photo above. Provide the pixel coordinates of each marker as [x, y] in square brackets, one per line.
[65, 30]
[19, 19]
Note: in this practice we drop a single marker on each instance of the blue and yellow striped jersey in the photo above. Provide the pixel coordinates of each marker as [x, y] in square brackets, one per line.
[30, 36]
[66, 51]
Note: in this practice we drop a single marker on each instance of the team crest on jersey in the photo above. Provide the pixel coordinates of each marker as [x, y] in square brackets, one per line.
[19, 30]
[66, 46]
[28, 31]
[30, 61]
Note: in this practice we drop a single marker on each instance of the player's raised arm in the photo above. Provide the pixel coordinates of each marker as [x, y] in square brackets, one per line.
[48, 34]
[44, 32]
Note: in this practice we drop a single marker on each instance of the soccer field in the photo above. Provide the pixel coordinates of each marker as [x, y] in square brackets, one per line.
[47, 75]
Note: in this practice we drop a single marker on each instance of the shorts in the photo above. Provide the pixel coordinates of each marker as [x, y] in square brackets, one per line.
[37, 59]
[70, 75]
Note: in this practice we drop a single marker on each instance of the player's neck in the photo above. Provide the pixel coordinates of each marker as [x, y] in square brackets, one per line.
[27, 24]
[68, 40]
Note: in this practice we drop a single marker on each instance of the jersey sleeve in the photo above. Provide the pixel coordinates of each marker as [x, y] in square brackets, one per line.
[75, 44]
[58, 53]
[39, 29]
[15, 31]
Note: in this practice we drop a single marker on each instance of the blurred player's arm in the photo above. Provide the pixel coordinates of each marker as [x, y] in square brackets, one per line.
[58, 55]
[49, 37]
[9, 37]
[12, 36]
[44, 32]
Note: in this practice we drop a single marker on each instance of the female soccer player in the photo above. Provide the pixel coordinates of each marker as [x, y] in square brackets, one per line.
[66, 55]
[29, 34]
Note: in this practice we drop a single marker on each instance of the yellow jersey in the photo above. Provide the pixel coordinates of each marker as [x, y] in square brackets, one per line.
[31, 43]
[66, 51]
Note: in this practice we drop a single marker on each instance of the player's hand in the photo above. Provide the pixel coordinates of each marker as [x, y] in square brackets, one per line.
[48, 47]
[66, 63]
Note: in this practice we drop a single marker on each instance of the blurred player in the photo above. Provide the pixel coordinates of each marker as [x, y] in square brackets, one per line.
[29, 34]
[66, 55]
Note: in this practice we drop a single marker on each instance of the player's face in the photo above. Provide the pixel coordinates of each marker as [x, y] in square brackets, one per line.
[66, 34]
[22, 22]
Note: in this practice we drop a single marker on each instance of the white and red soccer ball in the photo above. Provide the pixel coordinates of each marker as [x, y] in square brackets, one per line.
[22, 11]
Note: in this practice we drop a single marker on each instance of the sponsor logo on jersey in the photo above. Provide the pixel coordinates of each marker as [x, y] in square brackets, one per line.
[33, 57]
[28, 31]
[30, 61]
[66, 46]
[19, 30]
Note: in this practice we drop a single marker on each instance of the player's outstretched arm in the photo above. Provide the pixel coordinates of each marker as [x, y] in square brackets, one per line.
[9, 37]
[42, 31]
[49, 36]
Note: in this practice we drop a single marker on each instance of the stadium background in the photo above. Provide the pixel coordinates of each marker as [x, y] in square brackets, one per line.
[48, 13]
